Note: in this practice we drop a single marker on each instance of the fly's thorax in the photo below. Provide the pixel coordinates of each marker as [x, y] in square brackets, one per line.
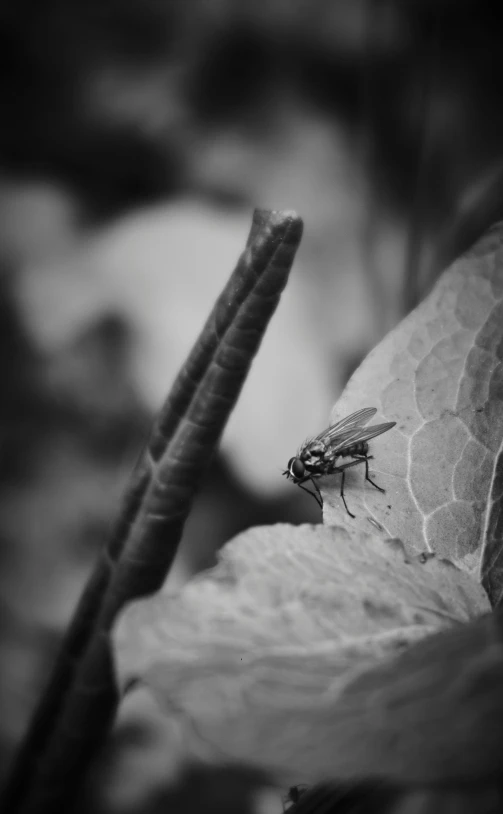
[314, 448]
[313, 455]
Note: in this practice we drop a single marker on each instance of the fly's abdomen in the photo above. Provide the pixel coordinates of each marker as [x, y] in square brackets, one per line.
[361, 448]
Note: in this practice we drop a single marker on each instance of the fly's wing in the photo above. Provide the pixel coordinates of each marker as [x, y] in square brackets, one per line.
[358, 435]
[348, 424]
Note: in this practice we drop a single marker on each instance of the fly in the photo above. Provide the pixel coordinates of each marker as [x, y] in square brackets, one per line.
[319, 456]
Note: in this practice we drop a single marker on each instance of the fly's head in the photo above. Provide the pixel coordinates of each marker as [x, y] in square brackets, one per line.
[308, 461]
[295, 469]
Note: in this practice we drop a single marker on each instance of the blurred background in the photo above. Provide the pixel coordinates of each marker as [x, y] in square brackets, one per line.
[136, 138]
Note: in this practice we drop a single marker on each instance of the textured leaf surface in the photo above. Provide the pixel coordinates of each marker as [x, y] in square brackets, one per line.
[439, 375]
[253, 657]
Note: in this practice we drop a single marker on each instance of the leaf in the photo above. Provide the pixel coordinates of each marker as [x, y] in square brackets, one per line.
[439, 375]
[81, 698]
[255, 659]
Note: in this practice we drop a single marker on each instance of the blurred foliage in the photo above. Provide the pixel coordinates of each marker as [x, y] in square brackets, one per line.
[102, 95]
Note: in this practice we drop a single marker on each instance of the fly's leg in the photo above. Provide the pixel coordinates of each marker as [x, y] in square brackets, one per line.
[343, 498]
[318, 498]
[342, 470]
[367, 458]
[318, 490]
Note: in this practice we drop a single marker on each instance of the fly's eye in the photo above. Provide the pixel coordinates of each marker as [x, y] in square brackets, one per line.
[296, 467]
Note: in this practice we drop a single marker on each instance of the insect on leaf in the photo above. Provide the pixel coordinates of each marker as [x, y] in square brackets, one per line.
[439, 375]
